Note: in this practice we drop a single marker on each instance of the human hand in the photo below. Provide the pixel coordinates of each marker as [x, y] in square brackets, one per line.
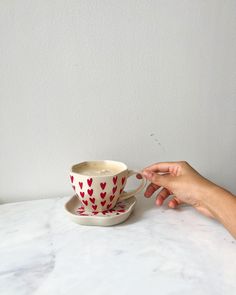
[180, 180]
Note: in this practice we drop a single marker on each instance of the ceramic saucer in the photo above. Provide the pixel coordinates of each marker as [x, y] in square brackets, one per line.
[118, 214]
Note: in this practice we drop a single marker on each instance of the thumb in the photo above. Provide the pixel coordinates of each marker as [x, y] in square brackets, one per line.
[160, 180]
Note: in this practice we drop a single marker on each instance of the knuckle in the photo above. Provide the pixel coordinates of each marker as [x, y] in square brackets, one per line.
[155, 179]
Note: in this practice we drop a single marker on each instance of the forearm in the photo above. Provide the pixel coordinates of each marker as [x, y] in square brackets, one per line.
[222, 205]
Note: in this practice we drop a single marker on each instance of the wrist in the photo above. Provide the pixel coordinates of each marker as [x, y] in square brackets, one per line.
[212, 194]
[206, 191]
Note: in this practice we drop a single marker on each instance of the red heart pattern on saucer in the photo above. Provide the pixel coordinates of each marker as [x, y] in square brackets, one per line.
[76, 211]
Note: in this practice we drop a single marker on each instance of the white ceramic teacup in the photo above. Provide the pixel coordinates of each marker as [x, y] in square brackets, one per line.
[100, 184]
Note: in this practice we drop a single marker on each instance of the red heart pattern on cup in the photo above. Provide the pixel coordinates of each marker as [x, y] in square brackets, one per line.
[108, 196]
[85, 202]
[90, 191]
[103, 185]
[81, 194]
[92, 200]
[103, 195]
[94, 207]
[89, 181]
[114, 189]
[115, 180]
[112, 197]
[103, 203]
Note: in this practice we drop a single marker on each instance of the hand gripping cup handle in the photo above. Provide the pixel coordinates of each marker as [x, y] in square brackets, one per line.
[129, 194]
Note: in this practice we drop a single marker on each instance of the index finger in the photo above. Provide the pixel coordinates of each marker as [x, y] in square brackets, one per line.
[161, 167]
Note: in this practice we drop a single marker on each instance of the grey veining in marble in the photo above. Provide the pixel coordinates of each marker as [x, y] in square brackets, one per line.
[157, 251]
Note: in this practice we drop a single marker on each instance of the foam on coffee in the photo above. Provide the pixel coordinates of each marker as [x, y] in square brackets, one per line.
[97, 169]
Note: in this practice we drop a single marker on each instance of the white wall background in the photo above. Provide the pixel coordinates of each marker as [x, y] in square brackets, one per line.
[135, 81]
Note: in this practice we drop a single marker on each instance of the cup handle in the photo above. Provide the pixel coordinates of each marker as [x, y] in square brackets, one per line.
[129, 194]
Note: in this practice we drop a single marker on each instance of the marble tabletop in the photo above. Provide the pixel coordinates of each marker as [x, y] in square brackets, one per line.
[156, 251]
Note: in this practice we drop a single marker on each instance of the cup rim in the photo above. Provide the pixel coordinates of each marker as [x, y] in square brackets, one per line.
[121, 164]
